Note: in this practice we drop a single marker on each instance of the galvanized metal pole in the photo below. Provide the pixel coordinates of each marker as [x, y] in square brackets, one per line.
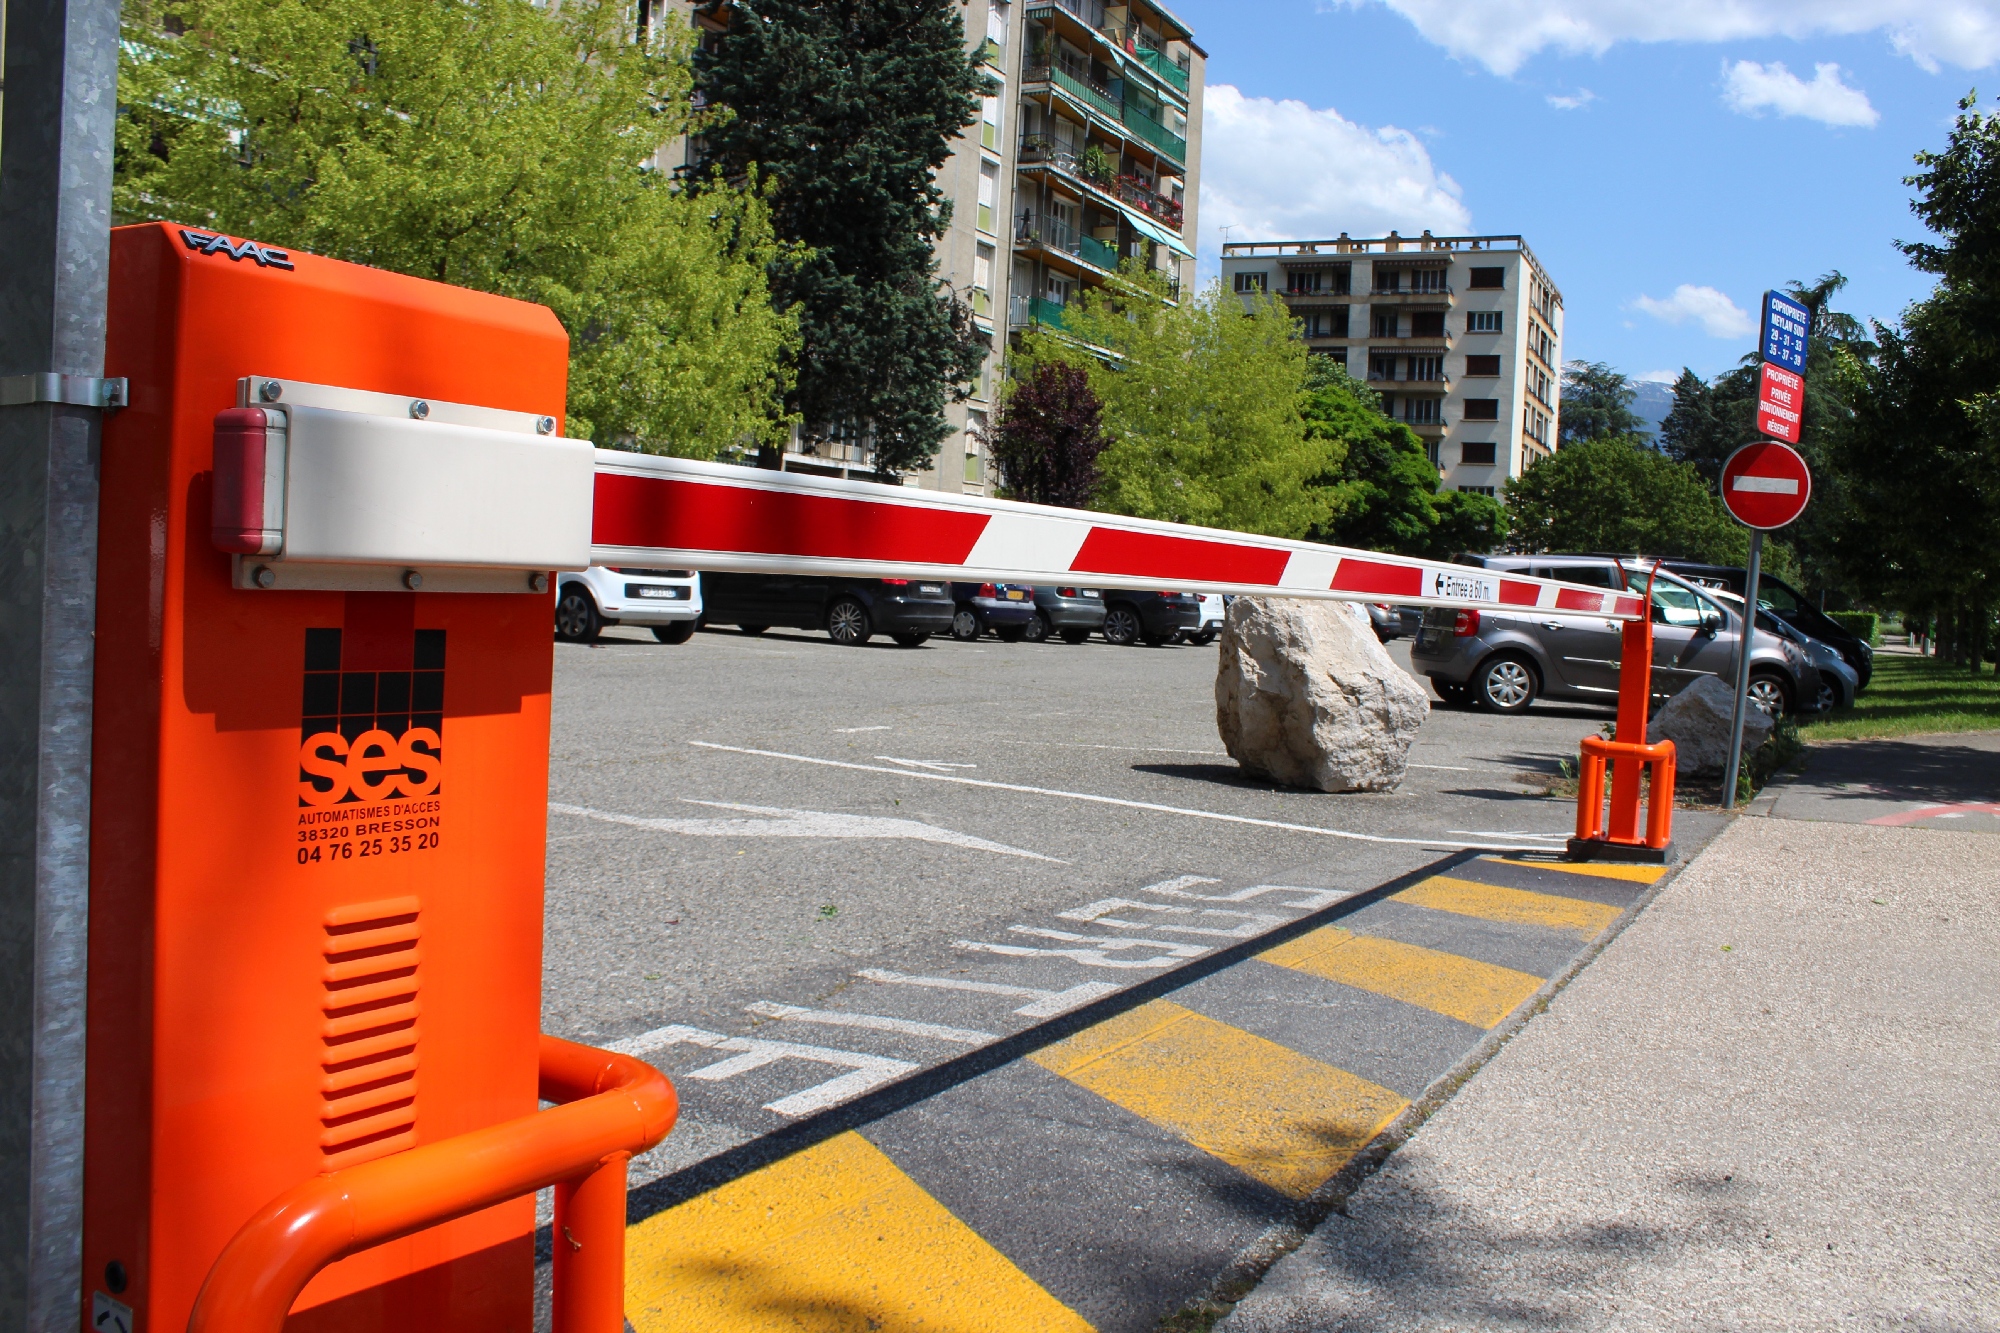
[1743, 668]
[61, 70]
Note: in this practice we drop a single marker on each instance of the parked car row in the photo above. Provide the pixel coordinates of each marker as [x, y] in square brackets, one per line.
[673, 602]
[1502, 661]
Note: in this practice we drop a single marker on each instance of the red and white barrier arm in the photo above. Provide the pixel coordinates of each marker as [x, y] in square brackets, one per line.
[677, 513]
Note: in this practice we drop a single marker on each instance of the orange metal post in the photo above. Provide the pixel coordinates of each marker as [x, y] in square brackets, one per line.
[1635, 684]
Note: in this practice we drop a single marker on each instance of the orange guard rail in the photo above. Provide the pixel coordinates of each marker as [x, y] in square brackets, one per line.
[614, 1107]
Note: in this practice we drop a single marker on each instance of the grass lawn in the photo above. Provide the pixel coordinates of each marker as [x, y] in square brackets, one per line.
[1910, 695]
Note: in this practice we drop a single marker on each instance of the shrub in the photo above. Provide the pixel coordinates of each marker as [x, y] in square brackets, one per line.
[1863, 625]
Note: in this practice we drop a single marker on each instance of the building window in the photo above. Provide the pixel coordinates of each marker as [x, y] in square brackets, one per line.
[975, 466]
[1426, 367]
[1303, 284]
[1251, 282]
[1384, 324]
[1422, 411]
[1432, 450]
[1337, 355]
[1482, 409]
[1488, 278]
[1475, 490]
[1388, 280]
[989, 187]
[1482, 321]
[1381, 367]
[1482, 366]
[1427, 324]
[989, 118]
[1476, 453]
[1427, 280]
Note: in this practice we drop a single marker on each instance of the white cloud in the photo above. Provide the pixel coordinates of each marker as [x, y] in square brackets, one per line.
[1752, 88]
[1274, 170]
[1503, 34]
[1577, 100]
[1718, 316]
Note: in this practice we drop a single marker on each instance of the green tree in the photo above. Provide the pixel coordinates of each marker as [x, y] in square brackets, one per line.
[1596, 404]
[1617, 495]
[1202, 404]
[493, 144]
[850, 109]
[1920, 462]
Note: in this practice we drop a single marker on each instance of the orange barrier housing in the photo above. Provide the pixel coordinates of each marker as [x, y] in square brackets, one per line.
[295, 972]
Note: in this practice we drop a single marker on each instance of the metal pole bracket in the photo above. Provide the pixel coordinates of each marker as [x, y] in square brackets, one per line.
[70, 390]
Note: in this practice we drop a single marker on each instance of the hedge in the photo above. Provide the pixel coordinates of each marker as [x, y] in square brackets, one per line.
[1863, 625]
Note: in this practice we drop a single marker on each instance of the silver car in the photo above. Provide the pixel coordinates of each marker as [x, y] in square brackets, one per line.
[1502, 661]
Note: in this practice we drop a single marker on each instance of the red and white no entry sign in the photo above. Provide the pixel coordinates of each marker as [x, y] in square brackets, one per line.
[1766, 484]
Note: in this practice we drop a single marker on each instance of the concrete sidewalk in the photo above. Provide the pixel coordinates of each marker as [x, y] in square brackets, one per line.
[1770, 1104]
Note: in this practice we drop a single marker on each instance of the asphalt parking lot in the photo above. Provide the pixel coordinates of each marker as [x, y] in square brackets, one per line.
[740, 825]
[995, 996]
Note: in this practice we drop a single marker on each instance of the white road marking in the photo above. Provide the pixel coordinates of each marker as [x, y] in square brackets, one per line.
[851, 730]
[1099, 913]
[1441, 768]
[874, 1022]
[1504, 833]
[1314, 898]
[1088, 957]
[801, 824]
[1087, 745]
[1110, 943]
[935, 764]
[1046, 1003]
[1438, 843]
[868, 1071]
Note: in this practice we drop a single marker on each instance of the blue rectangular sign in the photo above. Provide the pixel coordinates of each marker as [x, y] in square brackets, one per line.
[1786, 325]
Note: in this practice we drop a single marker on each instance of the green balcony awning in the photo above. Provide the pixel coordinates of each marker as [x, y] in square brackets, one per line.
[1145, 226]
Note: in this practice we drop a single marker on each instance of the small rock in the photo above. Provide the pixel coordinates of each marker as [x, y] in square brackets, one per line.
[1306, 696]
[1697, 721]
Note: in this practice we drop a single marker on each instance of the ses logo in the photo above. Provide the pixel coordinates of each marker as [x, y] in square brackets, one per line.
[371, 735]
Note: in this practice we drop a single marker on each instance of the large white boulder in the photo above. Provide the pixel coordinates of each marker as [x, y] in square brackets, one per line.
[1697, 721]
[1306, 696]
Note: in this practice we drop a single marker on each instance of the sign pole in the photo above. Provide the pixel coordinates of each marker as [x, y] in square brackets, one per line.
[1743, 669]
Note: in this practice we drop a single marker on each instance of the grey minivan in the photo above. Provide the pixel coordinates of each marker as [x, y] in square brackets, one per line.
[1503, 661]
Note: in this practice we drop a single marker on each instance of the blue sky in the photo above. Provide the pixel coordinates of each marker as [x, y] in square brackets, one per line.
[1666, 172]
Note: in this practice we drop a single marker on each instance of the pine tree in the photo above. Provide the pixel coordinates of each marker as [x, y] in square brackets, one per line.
[1596, 404]
[849, 107]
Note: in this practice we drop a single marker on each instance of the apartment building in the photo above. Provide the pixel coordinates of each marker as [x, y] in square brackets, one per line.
[1087, 153]
[1461, 335]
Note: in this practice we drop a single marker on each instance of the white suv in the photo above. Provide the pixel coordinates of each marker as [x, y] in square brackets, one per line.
[1213, 609]
[666, 601]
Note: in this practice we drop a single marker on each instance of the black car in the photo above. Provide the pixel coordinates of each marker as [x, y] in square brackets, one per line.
[851, 610]
[1152, 618]
[1008, 609]
[1788, 604]
[1073, 613]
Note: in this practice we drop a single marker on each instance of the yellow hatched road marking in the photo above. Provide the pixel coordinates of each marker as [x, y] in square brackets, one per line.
[831, 1239]
[1463, 988]
[1637, 874]
[1515, 907]
[1270, 1112]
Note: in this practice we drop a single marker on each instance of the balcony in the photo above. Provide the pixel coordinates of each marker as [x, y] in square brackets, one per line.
[1055, 234]
[1038, 151]
[1174, 72]
[1154, 133]
[1124, 37]
[1023, 311]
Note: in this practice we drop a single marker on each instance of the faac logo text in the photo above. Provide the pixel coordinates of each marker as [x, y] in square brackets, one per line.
[209, 243]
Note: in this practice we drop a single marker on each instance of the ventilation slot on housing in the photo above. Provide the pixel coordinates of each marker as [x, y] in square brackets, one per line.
[368, 1033]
